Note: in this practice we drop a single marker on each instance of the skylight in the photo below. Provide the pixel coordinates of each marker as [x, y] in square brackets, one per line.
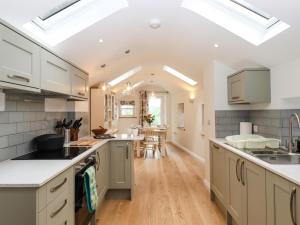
[125, 76]
[179, 75]
[138, 84]
[69, 18]
[239, 17]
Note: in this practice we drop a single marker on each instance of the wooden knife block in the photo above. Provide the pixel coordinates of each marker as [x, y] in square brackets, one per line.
[74, 134]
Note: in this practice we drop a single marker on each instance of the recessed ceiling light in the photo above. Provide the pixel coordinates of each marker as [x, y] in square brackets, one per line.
[103, 65]
[155, 23]
[101, 41]
[127, 51]
[216, 45]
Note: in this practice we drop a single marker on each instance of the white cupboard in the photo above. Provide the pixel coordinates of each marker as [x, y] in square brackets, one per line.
[79, 82]
[19, 61]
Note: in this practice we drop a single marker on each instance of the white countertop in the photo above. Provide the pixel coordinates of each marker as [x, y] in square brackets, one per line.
[289, 172]
[36, 173]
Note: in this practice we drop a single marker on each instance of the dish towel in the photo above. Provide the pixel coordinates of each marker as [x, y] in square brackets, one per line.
[91, 189]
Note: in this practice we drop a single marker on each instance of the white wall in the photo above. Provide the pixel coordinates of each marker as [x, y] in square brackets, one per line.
[189, 138]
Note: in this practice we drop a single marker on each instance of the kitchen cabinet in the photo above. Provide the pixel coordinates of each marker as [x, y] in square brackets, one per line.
[55, 74]
[246, 185]
[217, 175]
[283, 201]
[121, 168]
[19, 61]
[249, 86]
[51, 204]
[79, 83]
[102, 171]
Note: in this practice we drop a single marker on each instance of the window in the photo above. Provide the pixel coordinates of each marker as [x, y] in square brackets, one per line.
[179, 75]
[69, 18]
[125, 76]
[158, 109]
[127, 109]
[239, 17]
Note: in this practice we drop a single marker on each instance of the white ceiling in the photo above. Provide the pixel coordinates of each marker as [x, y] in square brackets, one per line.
[184, 41]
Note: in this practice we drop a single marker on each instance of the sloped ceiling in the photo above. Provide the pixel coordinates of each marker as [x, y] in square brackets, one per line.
[184, 41]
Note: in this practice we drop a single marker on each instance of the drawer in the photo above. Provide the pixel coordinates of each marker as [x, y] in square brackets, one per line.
[61, 210]
[62, 183]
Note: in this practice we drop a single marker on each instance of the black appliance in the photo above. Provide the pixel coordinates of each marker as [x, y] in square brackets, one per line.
[64, 153]
[49, 142]
[82, 215]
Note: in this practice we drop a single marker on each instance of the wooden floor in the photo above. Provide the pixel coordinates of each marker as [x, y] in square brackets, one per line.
[169, 191]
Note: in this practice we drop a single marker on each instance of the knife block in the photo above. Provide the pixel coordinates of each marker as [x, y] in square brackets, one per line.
[74, 134]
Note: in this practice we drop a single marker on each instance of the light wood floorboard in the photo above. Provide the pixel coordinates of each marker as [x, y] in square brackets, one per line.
[169, 191]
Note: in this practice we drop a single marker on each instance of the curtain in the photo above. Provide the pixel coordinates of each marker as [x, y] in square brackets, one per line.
[143, 106]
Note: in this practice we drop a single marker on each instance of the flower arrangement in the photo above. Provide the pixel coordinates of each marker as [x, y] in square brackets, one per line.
[149, 118]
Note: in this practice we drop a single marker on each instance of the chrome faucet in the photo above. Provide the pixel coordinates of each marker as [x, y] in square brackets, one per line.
[291, 142]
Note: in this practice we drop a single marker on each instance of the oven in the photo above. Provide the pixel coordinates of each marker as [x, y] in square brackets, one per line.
[82, 215]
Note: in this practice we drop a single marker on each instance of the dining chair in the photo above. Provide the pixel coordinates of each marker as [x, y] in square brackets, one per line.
[151, 141]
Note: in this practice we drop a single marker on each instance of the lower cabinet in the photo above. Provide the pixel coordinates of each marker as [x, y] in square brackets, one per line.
[121, 169]
[217, 176]
[283, 201]
[102, 170]
[246, 185]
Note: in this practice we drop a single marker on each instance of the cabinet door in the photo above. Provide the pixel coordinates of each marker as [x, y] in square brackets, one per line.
[234, 187]
[217, 162]
[79, 83]
[253, 179]
[19, 59]
[55, 74]
[236, 88]
[279, 196]
[120, 165]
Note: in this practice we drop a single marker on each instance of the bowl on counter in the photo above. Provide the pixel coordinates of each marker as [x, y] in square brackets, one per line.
[99, 131]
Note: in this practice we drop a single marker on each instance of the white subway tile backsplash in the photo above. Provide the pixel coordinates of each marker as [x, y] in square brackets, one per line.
[15, 139]
[8, 153]
[15, 117]
[7, 128]
[30, 116]
[23, 127]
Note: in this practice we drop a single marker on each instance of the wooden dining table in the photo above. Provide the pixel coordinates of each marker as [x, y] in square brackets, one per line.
[162, 136]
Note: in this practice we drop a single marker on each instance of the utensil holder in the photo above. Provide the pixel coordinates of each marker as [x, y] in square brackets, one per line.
[74, 134]
[67, 133]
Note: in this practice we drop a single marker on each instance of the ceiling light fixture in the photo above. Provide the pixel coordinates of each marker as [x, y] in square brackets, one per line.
[180, 75]
[125, 76]
[216, 45]
[154, 23]
[100, 41]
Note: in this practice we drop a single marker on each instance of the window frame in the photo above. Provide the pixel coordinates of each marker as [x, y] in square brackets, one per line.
[132, 103]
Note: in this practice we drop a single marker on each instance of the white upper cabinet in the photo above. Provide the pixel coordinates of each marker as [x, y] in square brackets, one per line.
[19, 61]
[79, 82]
[55, 73]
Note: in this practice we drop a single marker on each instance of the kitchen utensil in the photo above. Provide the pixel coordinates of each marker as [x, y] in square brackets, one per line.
[49, 142]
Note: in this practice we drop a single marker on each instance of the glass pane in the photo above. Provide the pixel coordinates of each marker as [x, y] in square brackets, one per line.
[155, 109]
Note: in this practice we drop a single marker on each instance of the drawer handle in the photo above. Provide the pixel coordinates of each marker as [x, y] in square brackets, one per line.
[18, 77]
[52, 190]
[98, 161]
[236, 97]
[58, 211]
[236, 170]
[216, 147]
[66, 222]
[292, 206]
[81, 94]
[127, 151]
[242, 173]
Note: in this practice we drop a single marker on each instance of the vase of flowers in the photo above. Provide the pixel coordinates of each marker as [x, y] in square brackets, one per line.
[149, 118]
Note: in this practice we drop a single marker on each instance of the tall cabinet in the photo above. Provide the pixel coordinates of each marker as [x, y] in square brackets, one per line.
[104, 111]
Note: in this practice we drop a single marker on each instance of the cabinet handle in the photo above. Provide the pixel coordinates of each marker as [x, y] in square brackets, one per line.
[52, 190]
[216, 147]
[242, 172]
[58, 211]
[81, 94]
[18, 77]
[66, 222]
[292, 206]
[98, 163]
[236, 97]
[127, 151]
[236, 170]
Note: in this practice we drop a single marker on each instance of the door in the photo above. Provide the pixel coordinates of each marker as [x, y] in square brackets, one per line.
[19, 59]
[234, 187]
[79, 83]
[120, 165]
[236, 88]
[55, 74]
[281, 201]
[217, 162]
[253, 179]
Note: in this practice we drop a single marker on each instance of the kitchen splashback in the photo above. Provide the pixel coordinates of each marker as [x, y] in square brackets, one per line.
[24, 119]
[271, 123]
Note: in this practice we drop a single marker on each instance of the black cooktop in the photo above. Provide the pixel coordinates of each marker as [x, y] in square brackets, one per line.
[63, 154]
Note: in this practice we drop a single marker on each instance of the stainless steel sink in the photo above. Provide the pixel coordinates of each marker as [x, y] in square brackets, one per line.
[268, 152]
[280, 159]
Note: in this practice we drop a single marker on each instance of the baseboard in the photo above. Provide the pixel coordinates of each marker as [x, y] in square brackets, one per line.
[201, 159]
